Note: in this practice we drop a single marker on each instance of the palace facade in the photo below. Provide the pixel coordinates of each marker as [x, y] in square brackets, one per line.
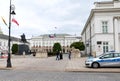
[44, 43]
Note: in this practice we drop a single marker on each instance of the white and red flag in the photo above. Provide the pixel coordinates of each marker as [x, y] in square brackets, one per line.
[15, 21]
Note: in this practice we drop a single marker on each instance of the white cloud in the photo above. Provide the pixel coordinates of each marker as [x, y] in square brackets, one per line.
[41, 16]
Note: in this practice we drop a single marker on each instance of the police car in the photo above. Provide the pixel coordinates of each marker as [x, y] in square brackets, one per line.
[104, 60]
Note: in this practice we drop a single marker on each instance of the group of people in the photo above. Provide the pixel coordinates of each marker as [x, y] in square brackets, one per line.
[59, 55]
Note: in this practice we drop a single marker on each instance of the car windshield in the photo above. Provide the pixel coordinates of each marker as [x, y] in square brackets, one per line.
[105, 53]
[102, 54]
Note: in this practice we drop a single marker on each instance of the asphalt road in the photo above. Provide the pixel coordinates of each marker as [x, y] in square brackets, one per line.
[26, 75]
[36, 69]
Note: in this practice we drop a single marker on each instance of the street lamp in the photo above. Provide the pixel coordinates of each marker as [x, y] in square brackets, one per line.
[11, 12]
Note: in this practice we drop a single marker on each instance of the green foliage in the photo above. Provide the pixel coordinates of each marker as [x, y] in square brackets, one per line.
[15, 48]
[57, 47]
[51, 54]
[78, 45]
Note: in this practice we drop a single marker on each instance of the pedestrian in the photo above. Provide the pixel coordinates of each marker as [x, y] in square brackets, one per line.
[61, 55]
[57, 55]
[69, 55]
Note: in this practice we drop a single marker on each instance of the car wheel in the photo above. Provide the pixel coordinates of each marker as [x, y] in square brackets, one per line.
[95, 65]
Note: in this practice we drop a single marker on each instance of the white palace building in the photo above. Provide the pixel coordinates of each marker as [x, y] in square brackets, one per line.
[44, 43]
[4, 42]
[101, 32]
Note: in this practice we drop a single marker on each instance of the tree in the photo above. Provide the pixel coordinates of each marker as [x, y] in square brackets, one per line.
[57, 47]
[15, 48]
[78, 45]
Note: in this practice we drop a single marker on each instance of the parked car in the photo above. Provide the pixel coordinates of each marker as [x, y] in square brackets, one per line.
[109, 59]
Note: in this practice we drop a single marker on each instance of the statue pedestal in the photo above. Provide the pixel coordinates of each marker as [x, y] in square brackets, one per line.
[75, 53]
[41, 55]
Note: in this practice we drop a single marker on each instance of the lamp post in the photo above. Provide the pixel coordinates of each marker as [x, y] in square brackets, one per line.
[11, 12]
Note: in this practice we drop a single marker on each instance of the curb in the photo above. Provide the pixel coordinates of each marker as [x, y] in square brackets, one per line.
[5, 68]
[105, 70]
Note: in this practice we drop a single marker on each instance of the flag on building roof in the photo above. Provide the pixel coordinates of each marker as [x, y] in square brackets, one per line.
[4, 21]
[52, 36]
[13, 20]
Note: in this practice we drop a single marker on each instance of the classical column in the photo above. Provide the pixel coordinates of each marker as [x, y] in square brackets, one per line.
[116, 34]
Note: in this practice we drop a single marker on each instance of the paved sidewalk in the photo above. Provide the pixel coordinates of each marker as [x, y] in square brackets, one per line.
[34, 63]
[50, 64]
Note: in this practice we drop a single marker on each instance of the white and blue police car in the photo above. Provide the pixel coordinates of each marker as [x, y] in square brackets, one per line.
[109, 59]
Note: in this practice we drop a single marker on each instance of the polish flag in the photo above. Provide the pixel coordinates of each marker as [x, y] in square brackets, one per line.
[13, 20]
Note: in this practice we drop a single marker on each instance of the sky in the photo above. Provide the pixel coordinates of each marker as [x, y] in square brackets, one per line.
[37, 17]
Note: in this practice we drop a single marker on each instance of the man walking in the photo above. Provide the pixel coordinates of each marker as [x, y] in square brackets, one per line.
[69, 55]
[57, 55]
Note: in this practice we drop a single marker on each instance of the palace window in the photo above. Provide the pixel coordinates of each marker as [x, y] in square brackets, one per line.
[104, 26]
[105, 47]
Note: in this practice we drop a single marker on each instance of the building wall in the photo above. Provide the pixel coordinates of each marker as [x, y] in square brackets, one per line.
[92, 33]
[100, 17]
[4, 44]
